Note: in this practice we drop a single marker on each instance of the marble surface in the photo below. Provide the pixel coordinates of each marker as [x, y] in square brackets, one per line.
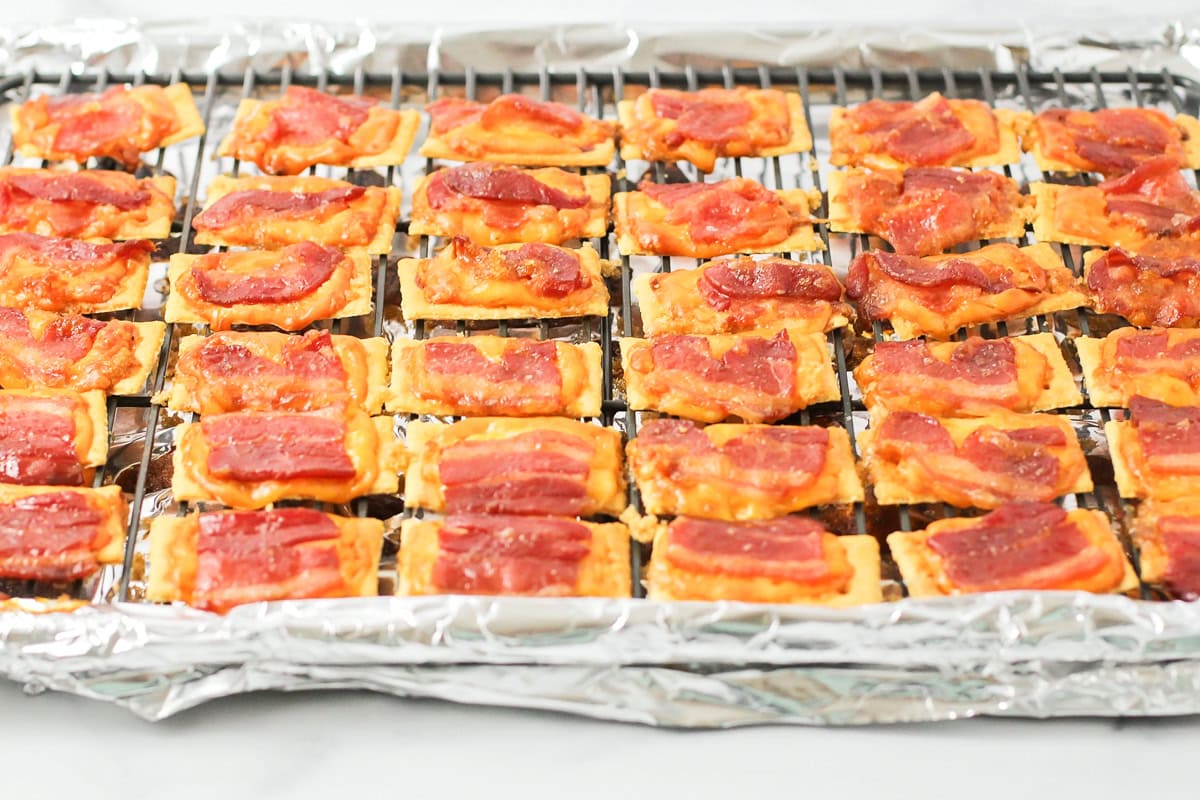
[324, 744]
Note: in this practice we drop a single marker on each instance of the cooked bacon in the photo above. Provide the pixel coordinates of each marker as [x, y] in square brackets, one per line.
[926, 210]
[120, 123]
[878, 280]
[1111, 141]
[71, 352]
[1169, 436]
[724, 282]
[770, 461]
[525, 110]
[710, 115]
[526, 378]
[306, 375]
[248, 205]
[538, 472]
[903, 430]
[922, 134]
[1142, 353]
[76, 187]
[49, 537]
[300, 270]
[1160, 285]
[261, 446]
[498, 554]
[55, 274]
[307, 117]
[37, 441]
[251, 556]
[787, 548]
[1181, 539]
[730, 211]
[498, 184]
[1155, 196]
[1019, 455]
[979, 374]
[1018, 546]
[546, 271]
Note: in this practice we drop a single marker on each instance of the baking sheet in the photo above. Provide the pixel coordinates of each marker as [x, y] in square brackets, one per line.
[692, 665]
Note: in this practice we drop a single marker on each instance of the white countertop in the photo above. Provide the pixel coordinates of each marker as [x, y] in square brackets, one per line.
[323, 744]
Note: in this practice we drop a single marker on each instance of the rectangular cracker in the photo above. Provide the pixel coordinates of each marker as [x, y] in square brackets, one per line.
[678, 493]
[108, 500]
[663, 579]
[355, 301]
[173, 561]
[364, 360]
[152, 221]
[579, 366]
[591, 301]
[815, 381]
[1105, 388]
[631, 209]
[921, 568]
[603, 572]
[841, 220]
[1134, 481]
[1008, 152]
[408, 122]
[891, 488]
[559, 228]
[632, 144]
[1187, 126]
[426, 442]
[671, 302]
[284, 231]
[377, 455]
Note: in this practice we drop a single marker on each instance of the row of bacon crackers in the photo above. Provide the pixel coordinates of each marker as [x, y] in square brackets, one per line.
[306, 127]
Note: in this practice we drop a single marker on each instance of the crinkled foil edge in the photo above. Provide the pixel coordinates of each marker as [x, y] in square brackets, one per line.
[686, 664]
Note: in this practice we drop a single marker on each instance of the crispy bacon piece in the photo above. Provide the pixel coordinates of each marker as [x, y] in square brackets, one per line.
[937, 295]
[51, 536]
[1168, 436]
[259, 446]
[246, 372]
[793, 549]
[297, 273]
[983, 463]
[69, 275]
[499, 554]
[922, 134]
[702, 126]
[704, 220]
[1162, 364]
[250, 556]
[539, 466]
[1111, 141]
[526, 379]
[120, 123]
[502, 185]
[538, 472]
[85, 205]
[1160, 285]
[37, 441]
[756, 378]
[973, 377]
[926, 210]
[732, 295]
[1019, 546]
[41, 349]
[740, 471]
[542, 270]
[1155, 197]
[307, 127]
[1180, 538]
[513, 128]
[241, 207]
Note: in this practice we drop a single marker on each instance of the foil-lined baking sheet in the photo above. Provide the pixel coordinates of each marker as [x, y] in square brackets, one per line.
[684, 664]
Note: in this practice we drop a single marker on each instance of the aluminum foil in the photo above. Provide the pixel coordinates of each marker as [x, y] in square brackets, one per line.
[683, 664]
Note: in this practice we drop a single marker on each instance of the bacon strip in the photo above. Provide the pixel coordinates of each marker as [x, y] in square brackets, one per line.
[37, 441]
[300, 270]
[263, 446]
[250, 556]
[1180, 536]
[50, 537]
[1169, 436]
[1018, 546]
[723, 283]
[787, 548]
[735, 211]
[538, 472]
[1155, 197]
[1110, 141]
[248, 205]
[497, 184]
[1160, 285]
[511, 555]
[542, 269]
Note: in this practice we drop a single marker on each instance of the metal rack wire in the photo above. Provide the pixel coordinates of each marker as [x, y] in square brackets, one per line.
[138, 440]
